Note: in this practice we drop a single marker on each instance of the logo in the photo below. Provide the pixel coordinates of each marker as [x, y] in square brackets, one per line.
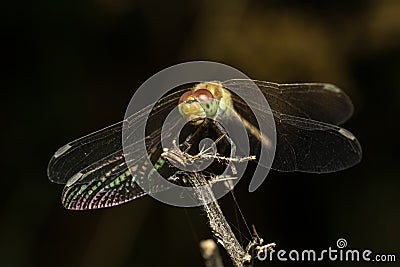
[341, 253]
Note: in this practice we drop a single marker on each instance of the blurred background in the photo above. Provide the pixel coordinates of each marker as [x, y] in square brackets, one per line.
[71, 67]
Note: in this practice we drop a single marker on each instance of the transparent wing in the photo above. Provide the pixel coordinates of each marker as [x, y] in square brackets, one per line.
[312, 146]
[113, 183]
[102, 193]
[96, 154]
[303, 114]
[314, 101]
[94, 169]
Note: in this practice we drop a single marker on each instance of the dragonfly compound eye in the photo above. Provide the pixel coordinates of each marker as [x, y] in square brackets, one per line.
[190, 108]
[186, 96]
[203, 95]
[207, 101]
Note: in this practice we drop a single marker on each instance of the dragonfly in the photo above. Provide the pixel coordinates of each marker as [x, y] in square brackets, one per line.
[307, 118]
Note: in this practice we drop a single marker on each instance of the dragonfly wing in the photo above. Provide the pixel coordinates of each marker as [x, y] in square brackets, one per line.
[112, 184]
[91, 156]
[86, 154]
[94, 167]
[102, 193]
[311, 146]
[303, 143]
[315, 101]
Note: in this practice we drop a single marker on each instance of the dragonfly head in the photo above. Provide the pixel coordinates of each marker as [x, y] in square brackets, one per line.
[198, 104]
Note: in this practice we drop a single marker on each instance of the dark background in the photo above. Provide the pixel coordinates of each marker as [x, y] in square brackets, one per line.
[70, 68]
